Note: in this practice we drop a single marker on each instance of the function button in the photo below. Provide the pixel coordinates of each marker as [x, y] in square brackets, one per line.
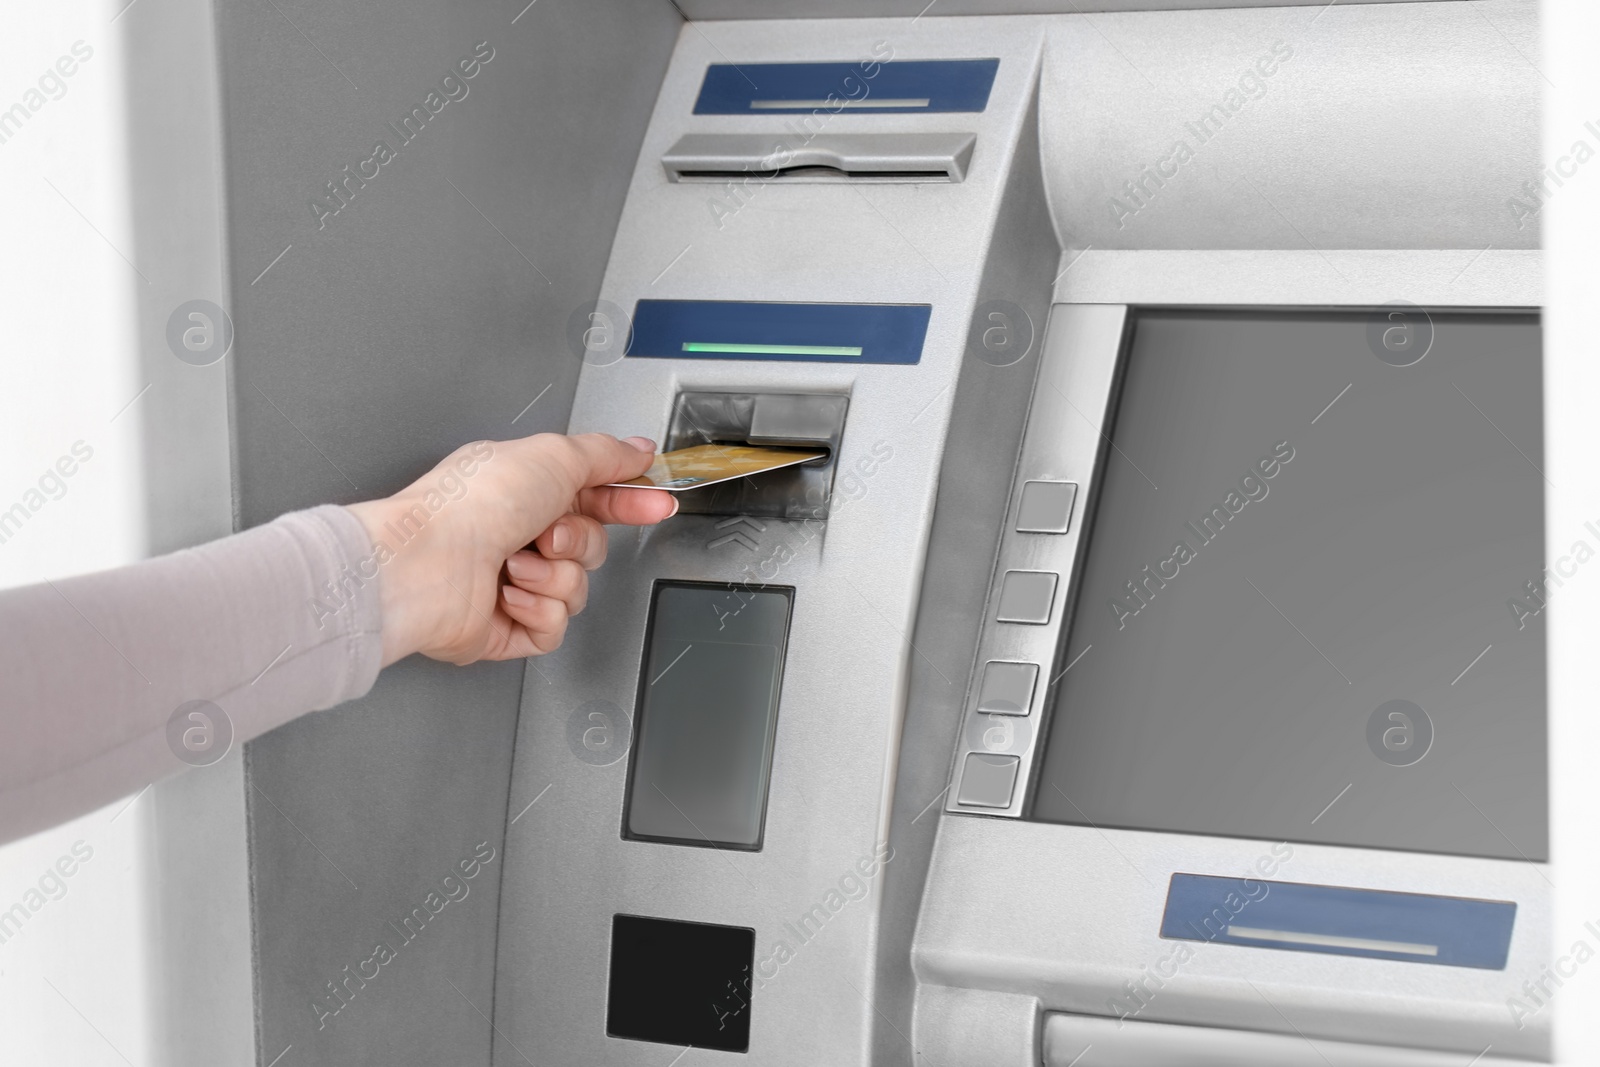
[1026, 596]
[1046, 507]
[987, 780]
[1007, 688]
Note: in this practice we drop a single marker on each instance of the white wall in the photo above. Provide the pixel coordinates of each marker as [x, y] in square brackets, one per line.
[1572, 443]
[72, 979]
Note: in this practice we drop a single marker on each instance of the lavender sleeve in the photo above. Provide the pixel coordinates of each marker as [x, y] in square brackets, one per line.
[264, 625]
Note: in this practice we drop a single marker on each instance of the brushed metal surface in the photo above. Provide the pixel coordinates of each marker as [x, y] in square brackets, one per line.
[1082, 917]
[1427, 277]
[1064, 440]
[1085, 1041]
[856, 577]
[1341, 145]
[1014, 917]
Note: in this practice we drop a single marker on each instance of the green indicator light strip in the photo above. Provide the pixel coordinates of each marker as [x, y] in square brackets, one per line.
[773, 350]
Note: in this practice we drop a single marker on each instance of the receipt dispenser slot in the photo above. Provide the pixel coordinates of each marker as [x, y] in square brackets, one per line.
[799, 420]
[837, 157]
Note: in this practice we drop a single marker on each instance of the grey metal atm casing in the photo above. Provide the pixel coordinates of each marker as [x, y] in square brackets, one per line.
[984, 940]
[856, 577]
[890, 592]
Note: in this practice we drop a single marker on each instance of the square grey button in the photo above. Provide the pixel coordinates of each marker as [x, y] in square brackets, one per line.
[987, 780]
[1025, 596]
[1007, 688]
[1046, 507]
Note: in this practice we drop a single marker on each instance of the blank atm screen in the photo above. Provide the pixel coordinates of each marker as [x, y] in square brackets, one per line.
[707, 714]
[1309, 607]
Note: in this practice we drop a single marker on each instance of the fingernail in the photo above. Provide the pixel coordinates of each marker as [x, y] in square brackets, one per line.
[561, 539]
[643, 444]
[528, 567]
[674, 510]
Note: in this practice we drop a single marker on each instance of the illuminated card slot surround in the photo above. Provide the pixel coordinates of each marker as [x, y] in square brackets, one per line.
[757, 330]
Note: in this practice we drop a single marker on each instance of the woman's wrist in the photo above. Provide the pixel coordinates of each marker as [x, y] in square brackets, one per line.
[458, 578]
[402, 624]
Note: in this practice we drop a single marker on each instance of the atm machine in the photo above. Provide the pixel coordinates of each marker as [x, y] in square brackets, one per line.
[1151, 670]
[1133, 682]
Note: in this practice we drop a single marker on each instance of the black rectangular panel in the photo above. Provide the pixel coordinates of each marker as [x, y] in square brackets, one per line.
[1310, 606]
[707, 714]
[680, 983]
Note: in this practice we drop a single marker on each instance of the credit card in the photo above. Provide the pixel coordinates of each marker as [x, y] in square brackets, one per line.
[702, 465]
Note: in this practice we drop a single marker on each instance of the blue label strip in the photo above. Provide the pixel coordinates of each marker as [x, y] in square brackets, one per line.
[1413, 927]
[809, 333]
[894, 87]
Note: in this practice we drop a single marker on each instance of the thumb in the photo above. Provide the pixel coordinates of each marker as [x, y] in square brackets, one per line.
[600, 459]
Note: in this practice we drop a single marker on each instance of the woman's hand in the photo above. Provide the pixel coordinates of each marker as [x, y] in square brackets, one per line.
[458, 582]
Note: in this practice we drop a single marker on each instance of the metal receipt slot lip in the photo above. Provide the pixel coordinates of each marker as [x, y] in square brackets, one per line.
[883, 157]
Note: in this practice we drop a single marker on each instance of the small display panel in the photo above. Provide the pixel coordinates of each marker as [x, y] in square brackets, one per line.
[782, 332]
[1376, 924]
[873, 84]
[680, 983]
[1311, 607]
[707, 714]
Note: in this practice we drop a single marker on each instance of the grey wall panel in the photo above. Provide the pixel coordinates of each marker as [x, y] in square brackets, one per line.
[357, 815]
[431, 309]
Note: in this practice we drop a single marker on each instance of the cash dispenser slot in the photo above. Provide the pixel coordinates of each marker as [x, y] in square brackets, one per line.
[795, 420]
[835, 157]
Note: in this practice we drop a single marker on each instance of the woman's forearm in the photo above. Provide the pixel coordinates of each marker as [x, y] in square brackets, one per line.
[263, 625]
[110, 681]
